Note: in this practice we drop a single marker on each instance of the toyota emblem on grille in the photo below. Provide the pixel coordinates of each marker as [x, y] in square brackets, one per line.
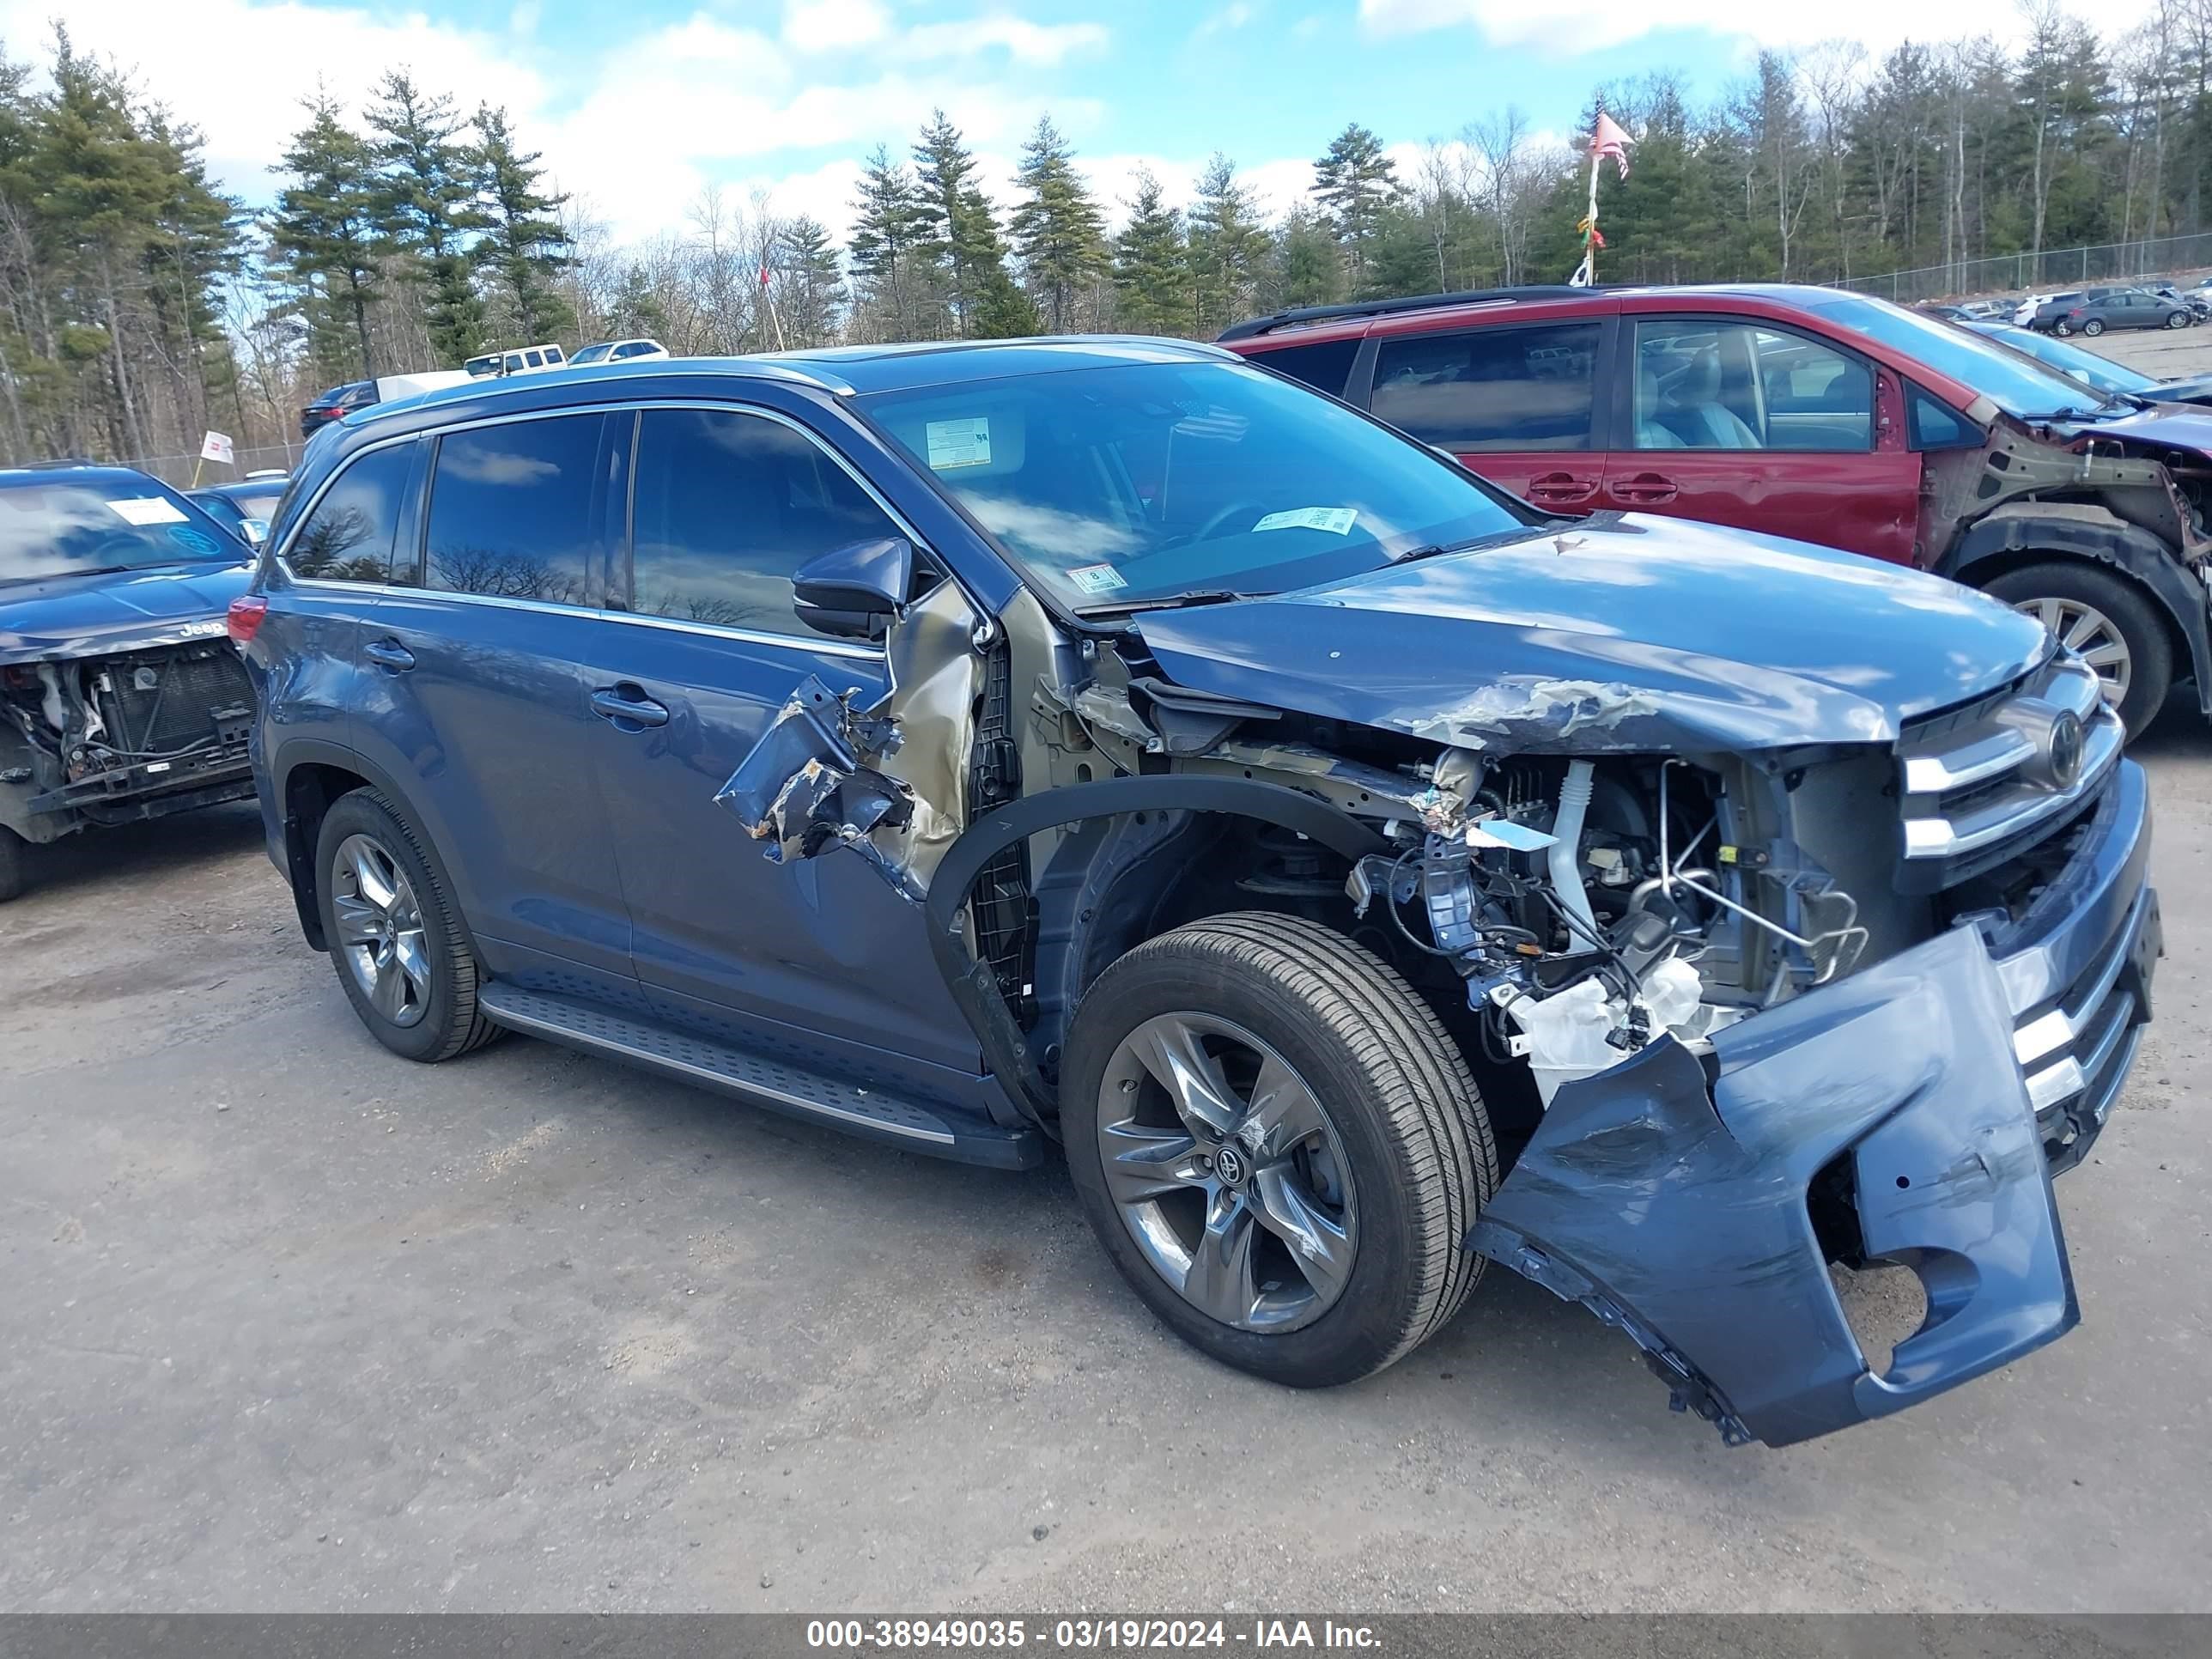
[2065, 749]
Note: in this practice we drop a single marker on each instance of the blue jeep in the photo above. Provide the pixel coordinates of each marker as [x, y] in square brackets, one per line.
[119, 697]
[1355, 871]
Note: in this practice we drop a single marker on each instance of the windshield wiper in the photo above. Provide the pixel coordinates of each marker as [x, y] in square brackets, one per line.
[1172, 602]
[1494, 539]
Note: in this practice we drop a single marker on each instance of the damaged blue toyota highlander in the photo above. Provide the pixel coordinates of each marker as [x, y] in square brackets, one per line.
[1357, 873]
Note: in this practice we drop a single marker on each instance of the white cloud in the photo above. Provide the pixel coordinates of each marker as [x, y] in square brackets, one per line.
[828, 25]
[188, 57]
[1234, 15]
[1024, 42]
[1576, 25]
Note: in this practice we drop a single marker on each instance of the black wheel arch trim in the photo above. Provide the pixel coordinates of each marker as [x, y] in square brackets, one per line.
[1006, 1048]
[300, 859]
[2126, 548]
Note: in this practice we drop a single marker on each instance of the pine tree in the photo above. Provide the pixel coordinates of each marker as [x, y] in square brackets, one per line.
[888, 225]
[1305, 269]
[1057, 225]
[326, 232]
[1151, 265]
[1354, 181]
[522, 245]
[959, 230]
[427, 199]
[1003, 312]
[814, 286]
[1228, 248]
[636, 309]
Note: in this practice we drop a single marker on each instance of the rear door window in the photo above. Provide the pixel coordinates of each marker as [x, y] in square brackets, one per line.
[728, 506]
[517, 510]
[1708, 384]
[1503, 389]
[348, 537]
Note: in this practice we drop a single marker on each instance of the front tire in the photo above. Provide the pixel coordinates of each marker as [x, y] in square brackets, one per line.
[1278, 1145]
[402, 956]
[2179, 319]
[2107, 619]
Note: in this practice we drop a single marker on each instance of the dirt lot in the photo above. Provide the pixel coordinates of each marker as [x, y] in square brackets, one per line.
[2169, 354]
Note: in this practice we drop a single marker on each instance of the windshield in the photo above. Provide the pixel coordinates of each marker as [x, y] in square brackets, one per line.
[65, 529]
[589, 354]
[1148, 481]
[2018, 386]
[2101, 372]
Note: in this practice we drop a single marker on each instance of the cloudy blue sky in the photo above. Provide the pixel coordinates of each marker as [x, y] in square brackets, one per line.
[637, 105]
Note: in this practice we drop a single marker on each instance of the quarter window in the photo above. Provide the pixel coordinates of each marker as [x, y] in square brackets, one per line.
[728, 506]
[347, 537]
[1325, 365]
[1491, 388]
[516, 510]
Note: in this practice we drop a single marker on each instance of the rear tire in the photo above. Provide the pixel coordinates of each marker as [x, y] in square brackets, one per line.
[15, 854]
[2093, 328]
[401, 955]
[2073, 596]
[1396, 1159]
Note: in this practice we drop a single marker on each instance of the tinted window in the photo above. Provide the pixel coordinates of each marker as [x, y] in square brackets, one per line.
[1326, 364]
[516, 511]
[1491, 388]
[347, 537]
[728, 506]
[635, 349]
[1151, 478]
[591, 354]
[1709, 384]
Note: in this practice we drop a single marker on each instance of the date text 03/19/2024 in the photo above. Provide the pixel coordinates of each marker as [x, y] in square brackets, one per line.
[1108, 1635]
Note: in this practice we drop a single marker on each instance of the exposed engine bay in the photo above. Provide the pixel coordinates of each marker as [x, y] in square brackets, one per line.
[110, 738]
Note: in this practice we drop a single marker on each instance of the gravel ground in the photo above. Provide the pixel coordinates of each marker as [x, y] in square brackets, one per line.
[291, 1324]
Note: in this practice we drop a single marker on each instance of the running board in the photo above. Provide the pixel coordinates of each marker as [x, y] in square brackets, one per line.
[775, 1084]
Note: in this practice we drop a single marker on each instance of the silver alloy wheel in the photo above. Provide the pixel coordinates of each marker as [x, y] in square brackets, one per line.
[1228, 1173]
[380, 930]
[2091, 632]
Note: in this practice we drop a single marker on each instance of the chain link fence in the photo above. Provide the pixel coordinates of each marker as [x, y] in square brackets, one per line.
[177, 469]
[2053, 268]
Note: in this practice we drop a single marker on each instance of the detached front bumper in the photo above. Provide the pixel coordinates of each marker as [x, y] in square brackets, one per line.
[1938, 1091]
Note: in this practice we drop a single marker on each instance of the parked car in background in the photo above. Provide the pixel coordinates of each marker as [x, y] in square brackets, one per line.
[330, 405]
[1120, 746]
[120, 698]
[522, 360]
[2199, 304]
[1807, 412]
[2024, 312]
[2093, 314]
[2101, 373]
[245, 507]
[618, 351]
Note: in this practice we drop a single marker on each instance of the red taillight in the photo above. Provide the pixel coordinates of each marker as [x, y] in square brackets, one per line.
[244, 617]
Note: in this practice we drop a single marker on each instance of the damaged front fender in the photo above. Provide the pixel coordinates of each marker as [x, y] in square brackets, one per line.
[1679, 1212]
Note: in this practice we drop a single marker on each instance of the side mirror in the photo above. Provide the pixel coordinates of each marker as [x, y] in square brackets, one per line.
[853, 592]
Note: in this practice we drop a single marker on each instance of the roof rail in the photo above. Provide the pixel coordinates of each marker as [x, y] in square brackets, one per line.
[1246, 331]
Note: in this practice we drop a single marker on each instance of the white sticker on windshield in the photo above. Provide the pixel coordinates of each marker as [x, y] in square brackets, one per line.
[958, 443]
[147, 509]
[1097, 578]
[1336, 520]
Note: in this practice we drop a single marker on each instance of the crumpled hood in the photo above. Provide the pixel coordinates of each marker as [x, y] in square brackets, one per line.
[2163, 426]
[96, 615]
[1624, 633]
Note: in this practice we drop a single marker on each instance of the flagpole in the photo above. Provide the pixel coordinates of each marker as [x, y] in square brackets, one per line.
[1586, 273]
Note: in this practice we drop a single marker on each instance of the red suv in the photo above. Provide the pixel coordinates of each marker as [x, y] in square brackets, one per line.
[1809, 413]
